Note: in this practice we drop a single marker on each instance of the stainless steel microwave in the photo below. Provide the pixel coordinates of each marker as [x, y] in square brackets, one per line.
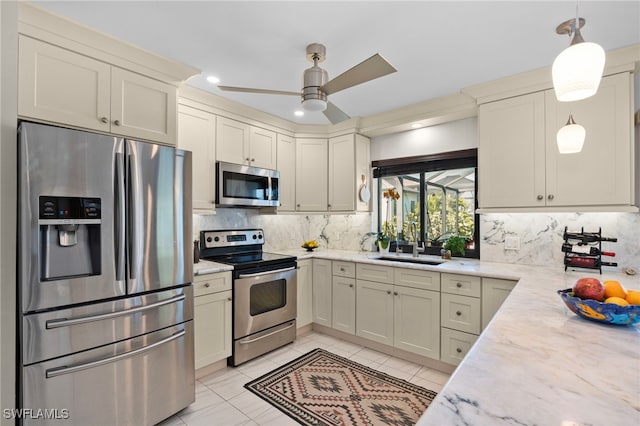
[246, 186]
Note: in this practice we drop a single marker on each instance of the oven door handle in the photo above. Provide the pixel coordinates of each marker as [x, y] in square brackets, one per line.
[255, 339]
[260, 274]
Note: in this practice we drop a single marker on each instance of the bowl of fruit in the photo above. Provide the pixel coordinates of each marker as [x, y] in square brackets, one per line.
[608, 302]
[310, 245]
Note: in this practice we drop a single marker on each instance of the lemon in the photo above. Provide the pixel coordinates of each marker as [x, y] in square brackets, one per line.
[617, 300]
[633, 297]
[613, 288]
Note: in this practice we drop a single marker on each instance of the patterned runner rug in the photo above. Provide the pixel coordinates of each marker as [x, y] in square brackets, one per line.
[321, 388]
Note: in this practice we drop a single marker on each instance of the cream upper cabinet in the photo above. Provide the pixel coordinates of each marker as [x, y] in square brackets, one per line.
[342, 157]
[304, 293]
[363, 173]
[61, 86]
[519, 165]
[286, 165]
[241, 143]
[311, 175]
[197, 133]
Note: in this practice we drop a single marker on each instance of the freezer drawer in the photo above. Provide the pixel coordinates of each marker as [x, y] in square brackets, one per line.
[139, 381]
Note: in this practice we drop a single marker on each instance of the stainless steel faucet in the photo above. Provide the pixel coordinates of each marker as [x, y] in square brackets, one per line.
[413, 229]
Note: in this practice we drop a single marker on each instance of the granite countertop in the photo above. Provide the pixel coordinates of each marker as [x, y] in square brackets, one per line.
[537, 362]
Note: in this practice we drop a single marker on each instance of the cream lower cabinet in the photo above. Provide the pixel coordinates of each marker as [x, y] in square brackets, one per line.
[304, 293]
[197, 133]
[322, 292]
[344, 304]
[61, 86]
[212, 318]
[460, 315]
[494, 293]
[519, 165]
[374, 311]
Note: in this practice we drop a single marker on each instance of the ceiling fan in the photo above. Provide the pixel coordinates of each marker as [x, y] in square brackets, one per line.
[316, 87]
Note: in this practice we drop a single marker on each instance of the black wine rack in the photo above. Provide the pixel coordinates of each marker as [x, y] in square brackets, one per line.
[590, 241]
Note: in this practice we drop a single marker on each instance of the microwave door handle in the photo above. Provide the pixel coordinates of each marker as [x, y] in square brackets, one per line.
[270, 190]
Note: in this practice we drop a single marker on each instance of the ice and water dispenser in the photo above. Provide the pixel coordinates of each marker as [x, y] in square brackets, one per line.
[69, 237]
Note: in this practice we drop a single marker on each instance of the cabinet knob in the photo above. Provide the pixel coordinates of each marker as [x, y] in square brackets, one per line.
[539, 197]
[207, 285]
[388, 291]
[395, 293]
[104, 120]
[341, 269]
[297, 205]
[350, 285]
[229, 299]
[459, 350]
[459, 285]
[550, 197]
[253, 159]
[329, 205]
[116, 122]
[247, 159]
[458, 313]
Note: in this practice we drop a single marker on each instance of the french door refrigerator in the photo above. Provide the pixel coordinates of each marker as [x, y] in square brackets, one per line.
[105, 334]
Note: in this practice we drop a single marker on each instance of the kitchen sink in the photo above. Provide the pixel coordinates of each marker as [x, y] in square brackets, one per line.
[411, 259]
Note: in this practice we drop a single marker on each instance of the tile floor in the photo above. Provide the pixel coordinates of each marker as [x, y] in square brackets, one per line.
[221, 398]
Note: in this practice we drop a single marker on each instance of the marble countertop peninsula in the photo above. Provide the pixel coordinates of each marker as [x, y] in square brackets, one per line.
[537, 363]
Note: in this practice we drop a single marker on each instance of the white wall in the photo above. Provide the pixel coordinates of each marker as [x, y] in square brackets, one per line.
[8, 173]
[453, 136]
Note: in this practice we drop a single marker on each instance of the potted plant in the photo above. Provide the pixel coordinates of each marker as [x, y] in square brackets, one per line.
[455, 244]
[383, 242]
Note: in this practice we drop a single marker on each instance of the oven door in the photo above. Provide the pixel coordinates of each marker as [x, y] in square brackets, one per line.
[263, 300]
[240, 185]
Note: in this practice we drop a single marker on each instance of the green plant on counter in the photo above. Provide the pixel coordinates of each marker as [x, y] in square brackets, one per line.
[383, 240]
[456, 244]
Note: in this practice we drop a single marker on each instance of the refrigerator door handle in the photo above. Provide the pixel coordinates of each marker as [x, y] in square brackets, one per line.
[60, 371]
[66, 322]
[119, 216]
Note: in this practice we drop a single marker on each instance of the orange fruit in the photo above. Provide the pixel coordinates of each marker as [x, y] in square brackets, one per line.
[617, 300]
[613, 288]
[633, 297]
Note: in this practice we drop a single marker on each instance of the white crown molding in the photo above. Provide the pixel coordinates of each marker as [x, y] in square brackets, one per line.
[625, 59]
[38, 23]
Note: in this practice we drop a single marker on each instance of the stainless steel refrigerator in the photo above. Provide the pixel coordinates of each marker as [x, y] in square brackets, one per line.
[105, 334]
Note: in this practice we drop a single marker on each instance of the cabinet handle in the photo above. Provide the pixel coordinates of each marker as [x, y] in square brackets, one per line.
[388, 291]
[207, 285]
[104, 120]
[395, 293]
[539, 197]
[116, 122]
[458, 313]
[459, 285]
[459, 350]
[550, 197]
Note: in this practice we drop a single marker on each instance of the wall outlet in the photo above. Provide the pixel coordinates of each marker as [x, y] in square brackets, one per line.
[512, 243]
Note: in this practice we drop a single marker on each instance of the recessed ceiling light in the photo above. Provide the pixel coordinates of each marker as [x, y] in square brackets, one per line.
[416, 125]
[299, 113]
[213, 79]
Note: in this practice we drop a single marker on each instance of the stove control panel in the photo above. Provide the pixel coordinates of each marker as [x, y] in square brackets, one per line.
[230, 238]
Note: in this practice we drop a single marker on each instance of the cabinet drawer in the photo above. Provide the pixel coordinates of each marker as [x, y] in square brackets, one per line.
[465, 285]
[460, 313]
[344, 269]
[454, 345]
[211, 283]
[415, 278]
[377, 273]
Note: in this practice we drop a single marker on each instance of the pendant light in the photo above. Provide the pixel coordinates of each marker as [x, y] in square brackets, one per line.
[578, 69]
[570, 138]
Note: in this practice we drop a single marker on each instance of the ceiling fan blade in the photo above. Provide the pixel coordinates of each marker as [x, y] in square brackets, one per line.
[369, 69]
[335, 114]
[262, 91]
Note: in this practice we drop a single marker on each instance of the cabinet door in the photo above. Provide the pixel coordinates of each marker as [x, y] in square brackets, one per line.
[601, 173]
[232, 141]
[142, 107]
[212, 325]
[374, 311]
[342, 195]
[262, 148]
[311, 175]
[417, 321]
[494, 292]
[363, 171]
[197, 133]
[511, 152]
[286, 165]
[322, 299]
[63, 87]
[304, 293]
[344, 304]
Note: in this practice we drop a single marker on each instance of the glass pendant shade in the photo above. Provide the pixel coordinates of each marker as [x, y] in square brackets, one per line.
[577, 71]
[570, 138]
[314, 104]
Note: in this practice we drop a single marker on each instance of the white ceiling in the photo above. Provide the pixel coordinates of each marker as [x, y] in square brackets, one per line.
[437, 47]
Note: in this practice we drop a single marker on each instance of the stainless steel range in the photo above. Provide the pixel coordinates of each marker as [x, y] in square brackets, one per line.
[264, 291]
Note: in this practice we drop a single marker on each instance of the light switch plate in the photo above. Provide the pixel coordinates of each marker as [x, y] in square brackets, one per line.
[512, 243]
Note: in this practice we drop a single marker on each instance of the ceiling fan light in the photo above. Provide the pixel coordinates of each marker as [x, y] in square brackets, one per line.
[314, 104]
[570, 138]
[577, 71]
